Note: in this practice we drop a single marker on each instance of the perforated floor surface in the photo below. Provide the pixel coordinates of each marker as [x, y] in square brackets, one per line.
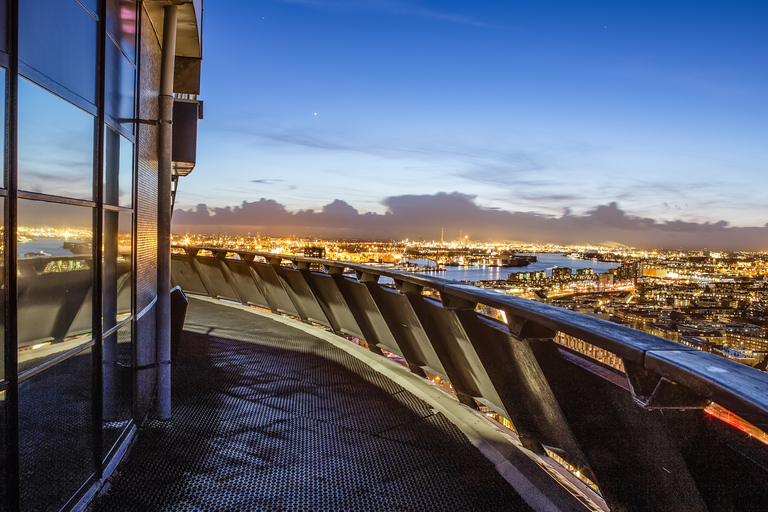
[267, 417]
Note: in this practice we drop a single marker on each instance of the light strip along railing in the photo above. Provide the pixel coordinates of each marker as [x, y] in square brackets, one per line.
[641, 435]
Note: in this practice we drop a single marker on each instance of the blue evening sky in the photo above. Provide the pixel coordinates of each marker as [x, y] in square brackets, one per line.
[536, 106]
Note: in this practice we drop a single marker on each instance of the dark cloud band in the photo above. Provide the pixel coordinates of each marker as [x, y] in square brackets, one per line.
[413, 216]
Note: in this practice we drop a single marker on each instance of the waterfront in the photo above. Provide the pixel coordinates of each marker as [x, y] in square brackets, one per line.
[545, 261]
[53, 246]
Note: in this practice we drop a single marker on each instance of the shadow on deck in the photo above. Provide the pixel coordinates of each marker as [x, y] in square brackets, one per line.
[269, 417]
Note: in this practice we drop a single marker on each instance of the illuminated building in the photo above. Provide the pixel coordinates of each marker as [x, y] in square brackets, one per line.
[314, 252]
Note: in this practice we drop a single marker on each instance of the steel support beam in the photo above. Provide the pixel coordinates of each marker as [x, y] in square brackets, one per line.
[164, 172]
[634, 460]
[402, 327]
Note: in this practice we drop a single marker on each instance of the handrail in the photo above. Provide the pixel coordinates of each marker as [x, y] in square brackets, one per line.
[514, 368]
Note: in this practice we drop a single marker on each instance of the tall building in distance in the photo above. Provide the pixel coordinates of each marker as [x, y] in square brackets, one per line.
[89, 90]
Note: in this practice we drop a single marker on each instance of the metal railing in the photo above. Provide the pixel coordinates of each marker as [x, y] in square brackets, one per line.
[642, 430]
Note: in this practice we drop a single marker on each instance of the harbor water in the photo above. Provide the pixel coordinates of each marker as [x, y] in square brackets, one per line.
[545, 261]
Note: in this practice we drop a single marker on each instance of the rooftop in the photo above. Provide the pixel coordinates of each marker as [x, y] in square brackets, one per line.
[271, 416]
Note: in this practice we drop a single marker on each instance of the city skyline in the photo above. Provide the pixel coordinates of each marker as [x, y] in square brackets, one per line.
[454, 216]
[550, 112]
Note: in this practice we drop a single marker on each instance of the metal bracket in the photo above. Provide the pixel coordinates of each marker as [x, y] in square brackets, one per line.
[652, 391]
[37, 266]
[408, 287]
[524, 329]
[364, 277]
[457, 303]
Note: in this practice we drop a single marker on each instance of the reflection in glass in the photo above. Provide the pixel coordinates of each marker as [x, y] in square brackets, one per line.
[59, 39]
[3, 394]
[116, 277]
[118, 384]
[119, 98]
[55, 433]
[118, 169]
[3, 27]
[2, 300]
[55, 279]
[2, 104]
[121, 24]
[4, 505]
[55, 145]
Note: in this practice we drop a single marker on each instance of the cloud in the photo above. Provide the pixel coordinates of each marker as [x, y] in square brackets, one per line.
[267, 182]
[550, 198]
[414, 216]
[310, 141]
[392, 8]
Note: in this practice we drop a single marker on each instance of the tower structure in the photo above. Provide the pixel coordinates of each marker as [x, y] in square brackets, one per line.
[86, 195]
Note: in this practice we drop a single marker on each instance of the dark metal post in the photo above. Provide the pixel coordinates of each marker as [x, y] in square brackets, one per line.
[402, 326]
[438, 331]
[11, 262]
[358, 309]
[97, 247]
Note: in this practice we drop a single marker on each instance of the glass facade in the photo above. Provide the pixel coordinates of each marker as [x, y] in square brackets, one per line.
[79, 247]
[55, 280]
[56, 442]
[55, 141]
[68, 196]
[58, 40]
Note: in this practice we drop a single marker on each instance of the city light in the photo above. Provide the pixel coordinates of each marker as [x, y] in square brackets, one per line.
[714, 302]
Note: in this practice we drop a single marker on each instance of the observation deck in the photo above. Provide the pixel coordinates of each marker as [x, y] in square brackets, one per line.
[269, 414]
[600, 416]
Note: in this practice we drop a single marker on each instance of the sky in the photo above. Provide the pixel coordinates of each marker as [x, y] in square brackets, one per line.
[592, 121]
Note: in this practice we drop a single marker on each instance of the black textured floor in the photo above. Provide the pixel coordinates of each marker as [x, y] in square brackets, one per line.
[267, 417]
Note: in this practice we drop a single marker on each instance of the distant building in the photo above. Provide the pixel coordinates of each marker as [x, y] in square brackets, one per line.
[527, 277]
[632, 270]
[314, 252]
[605, 279]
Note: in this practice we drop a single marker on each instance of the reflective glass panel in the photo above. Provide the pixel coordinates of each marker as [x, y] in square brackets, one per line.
[119, 82]
[121, 25]
[118, 169]
[2, 296]
[58, 38]
[2, 107]
[55, 145]
[55, 279]
[3, 394]
[117, 375]
[3, 26]
[116, 277]
[3, 499]
[55, 433]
